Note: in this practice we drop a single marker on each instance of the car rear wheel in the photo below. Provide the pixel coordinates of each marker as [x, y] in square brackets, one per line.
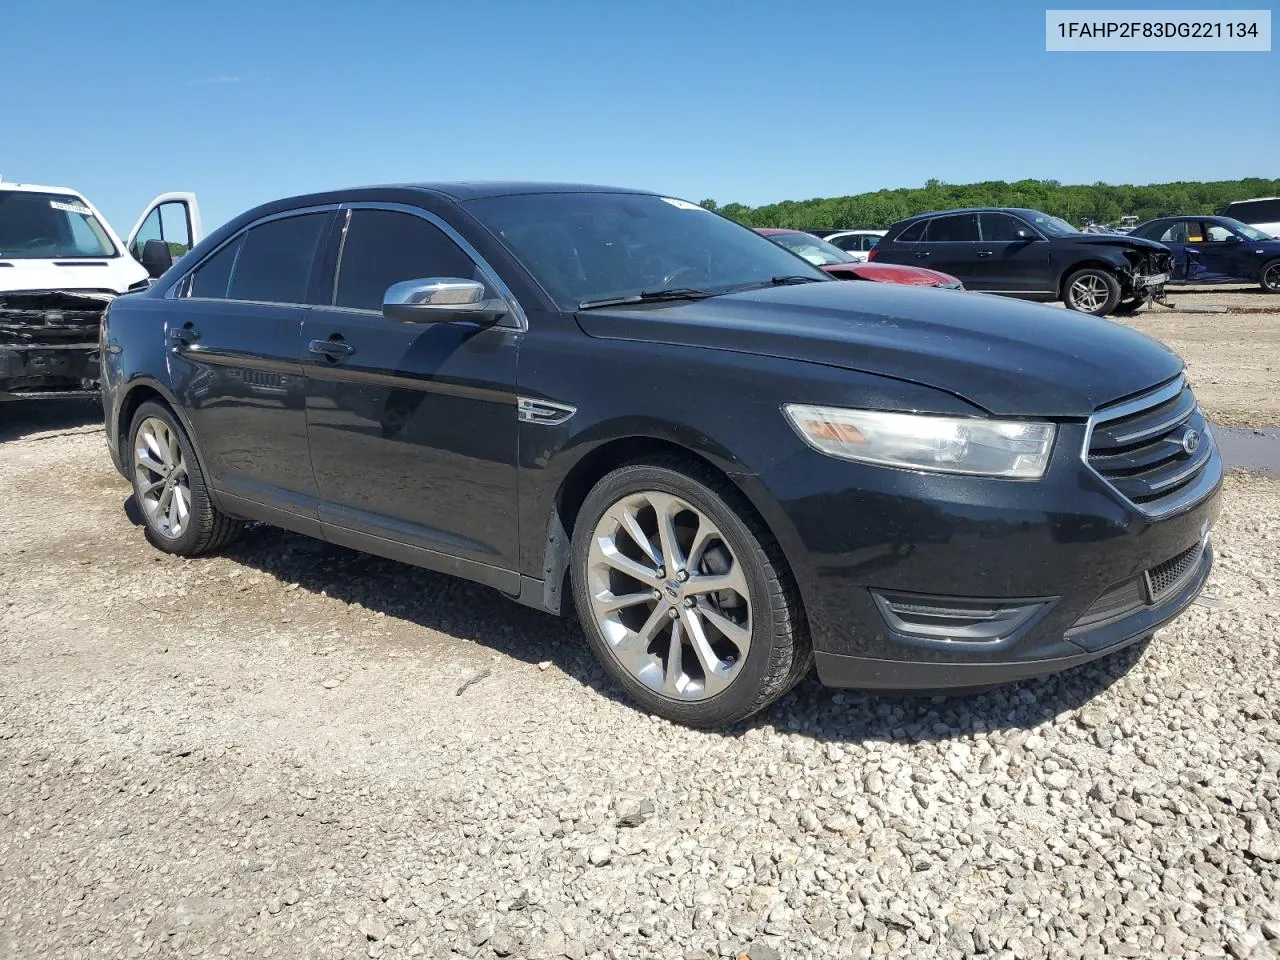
[1269, 276]
[684, 594]
[1091, 290]
[170, 487]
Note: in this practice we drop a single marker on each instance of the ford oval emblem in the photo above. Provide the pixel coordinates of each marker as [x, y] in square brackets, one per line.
[1190, 442]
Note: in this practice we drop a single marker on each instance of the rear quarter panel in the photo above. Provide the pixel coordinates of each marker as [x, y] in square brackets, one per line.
[134, 355]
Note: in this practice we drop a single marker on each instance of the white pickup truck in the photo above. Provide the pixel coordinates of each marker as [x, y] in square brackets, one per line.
[60, 265]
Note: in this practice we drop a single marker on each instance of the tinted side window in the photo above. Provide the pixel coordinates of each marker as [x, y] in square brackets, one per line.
[1176, 232]
[869, 241]
[844, 243]
[913, 233]
[959, 228]
[1256, 211]
[211, 279]
[275, 259]
[383, 247]
[999, 226]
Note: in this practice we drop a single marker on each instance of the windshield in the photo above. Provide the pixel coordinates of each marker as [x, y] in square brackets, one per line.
[585, 247]
[1251, 233]
[49, 226]
[1049, 226]
[818, 252]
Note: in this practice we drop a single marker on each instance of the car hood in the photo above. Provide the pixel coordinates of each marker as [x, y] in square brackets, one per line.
[1116, 240]
[892, 273]
[115, 274]
[1008, 357]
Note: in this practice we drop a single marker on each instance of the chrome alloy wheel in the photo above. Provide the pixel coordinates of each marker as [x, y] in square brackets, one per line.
[1271, 277]
[1088, 293]
[161, 478]
[669, 596]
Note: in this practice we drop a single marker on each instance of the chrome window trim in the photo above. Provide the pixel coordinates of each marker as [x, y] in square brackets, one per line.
[172, 292]
[1188, 497]
[518, 319]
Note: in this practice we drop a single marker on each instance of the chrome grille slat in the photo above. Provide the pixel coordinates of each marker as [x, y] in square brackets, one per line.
[1137, 447]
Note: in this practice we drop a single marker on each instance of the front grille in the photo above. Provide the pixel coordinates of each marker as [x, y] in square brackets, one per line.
[1168, 577]
[1151, 589]
[1155, 451]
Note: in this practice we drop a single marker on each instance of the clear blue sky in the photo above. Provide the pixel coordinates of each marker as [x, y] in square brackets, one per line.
[751, 101]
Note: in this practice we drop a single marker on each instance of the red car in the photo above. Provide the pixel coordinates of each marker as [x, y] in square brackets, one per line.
[839, 264]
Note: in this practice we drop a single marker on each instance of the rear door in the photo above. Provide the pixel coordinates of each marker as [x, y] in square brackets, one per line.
[950, 244]
[234, 362]
[1176, 235]
[412, 426]
[1008, 263]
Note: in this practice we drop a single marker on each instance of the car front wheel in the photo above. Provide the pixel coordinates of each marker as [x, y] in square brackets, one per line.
[1091, 290]
[684, 594]
[1269, 276]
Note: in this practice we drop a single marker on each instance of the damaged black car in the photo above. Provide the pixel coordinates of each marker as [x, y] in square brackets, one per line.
[1032, 255]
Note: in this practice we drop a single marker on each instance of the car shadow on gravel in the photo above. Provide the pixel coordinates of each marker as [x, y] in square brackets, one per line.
[468, 611]
[21, 418]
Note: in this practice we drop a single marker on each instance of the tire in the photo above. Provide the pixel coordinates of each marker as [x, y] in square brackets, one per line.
[1102, 286]
[1130, 306]
[161, 459]
[762, 613]
[1269, 276]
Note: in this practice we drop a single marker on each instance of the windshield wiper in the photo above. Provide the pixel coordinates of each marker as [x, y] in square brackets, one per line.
[778, 282]
[648, 296]
[782, 281]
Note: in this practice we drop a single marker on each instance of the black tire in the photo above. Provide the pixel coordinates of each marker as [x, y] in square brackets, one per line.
[207, 528]
[1130, 306]
[779, 655]
[1269, 276]
[1108, 280]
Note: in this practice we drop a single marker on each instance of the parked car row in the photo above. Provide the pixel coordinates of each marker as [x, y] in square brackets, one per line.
[731, 465]
[1032, 255]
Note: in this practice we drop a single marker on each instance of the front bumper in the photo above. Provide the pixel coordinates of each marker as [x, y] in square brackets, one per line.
[1057, 550]
[49, 370]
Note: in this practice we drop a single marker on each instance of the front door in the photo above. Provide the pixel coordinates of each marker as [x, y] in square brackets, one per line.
[1009, 263]
[233, 362]
[413, 426]
[1221, 256]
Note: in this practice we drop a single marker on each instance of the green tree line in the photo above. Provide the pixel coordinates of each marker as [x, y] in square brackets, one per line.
[1099, 202]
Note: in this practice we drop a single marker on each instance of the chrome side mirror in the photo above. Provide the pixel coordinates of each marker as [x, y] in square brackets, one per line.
[440, 300]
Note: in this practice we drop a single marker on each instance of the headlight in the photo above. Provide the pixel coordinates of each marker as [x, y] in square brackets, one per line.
[989, 448]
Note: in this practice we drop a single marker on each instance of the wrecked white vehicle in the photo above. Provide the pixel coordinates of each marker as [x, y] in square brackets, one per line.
[60, 265]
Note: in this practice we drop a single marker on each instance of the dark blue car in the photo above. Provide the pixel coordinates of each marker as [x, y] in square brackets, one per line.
[1216, 250]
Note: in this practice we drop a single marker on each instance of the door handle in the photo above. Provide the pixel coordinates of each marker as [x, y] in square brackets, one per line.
[333, 349]
[184, 334]
[1191, 249]
[984, 253]
[921, 254]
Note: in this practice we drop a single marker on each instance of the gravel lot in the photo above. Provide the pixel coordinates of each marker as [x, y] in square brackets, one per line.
[1233, 358]
[293, 750]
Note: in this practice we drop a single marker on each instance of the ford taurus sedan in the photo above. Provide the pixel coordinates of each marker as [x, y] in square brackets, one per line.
[730, 465]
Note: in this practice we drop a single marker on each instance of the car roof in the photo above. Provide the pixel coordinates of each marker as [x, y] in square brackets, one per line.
[943, 213]
[1251, 200]
[36, 188]
[774, 231]
[462, 190]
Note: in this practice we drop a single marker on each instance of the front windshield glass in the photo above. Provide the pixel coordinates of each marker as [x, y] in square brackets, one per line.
[49, 226]
[585, 247]
[1049, 226]
[1250, 233]
[818, 252]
